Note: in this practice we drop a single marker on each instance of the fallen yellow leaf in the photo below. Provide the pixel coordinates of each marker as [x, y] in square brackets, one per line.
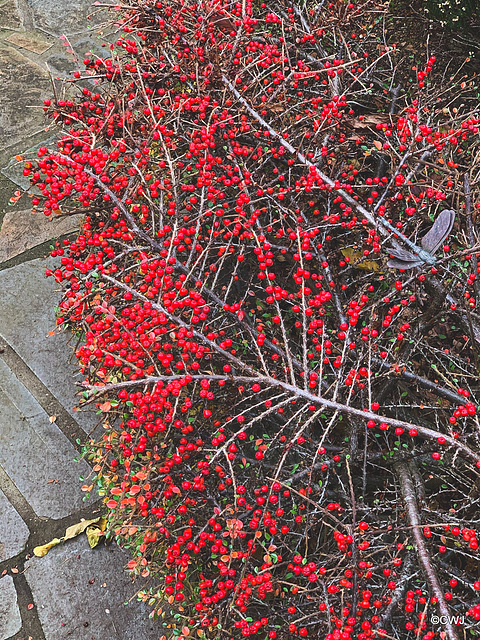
[98, 524]
[94, 533]
[77, 529]
[45, 548]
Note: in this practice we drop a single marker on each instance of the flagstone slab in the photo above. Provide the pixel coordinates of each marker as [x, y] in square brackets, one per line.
[27, 323]
[81, 593]
[64, 63]
[14, 169]
[9, 16]
[10, 619]
[30, 41]
[13, 530]
[24, 86]
[36, 455]
[61, 17]
[22, 230]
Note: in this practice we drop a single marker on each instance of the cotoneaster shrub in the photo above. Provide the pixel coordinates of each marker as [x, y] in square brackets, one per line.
[290, 441]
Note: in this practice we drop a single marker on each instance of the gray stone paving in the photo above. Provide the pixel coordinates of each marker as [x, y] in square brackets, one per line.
[66, 574]
[48, 472]
[18, 100]
[13, 530]
[9, 16]
[37, 346]
[59, 17]
[10, 619]
[73, 592]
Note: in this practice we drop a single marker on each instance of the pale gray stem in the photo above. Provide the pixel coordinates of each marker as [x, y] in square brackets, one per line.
[408, 492]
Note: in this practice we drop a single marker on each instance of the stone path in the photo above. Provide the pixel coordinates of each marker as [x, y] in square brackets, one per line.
[73, 592]
[40, 41]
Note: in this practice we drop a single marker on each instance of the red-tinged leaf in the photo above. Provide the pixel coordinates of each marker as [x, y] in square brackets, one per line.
[112, 504]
